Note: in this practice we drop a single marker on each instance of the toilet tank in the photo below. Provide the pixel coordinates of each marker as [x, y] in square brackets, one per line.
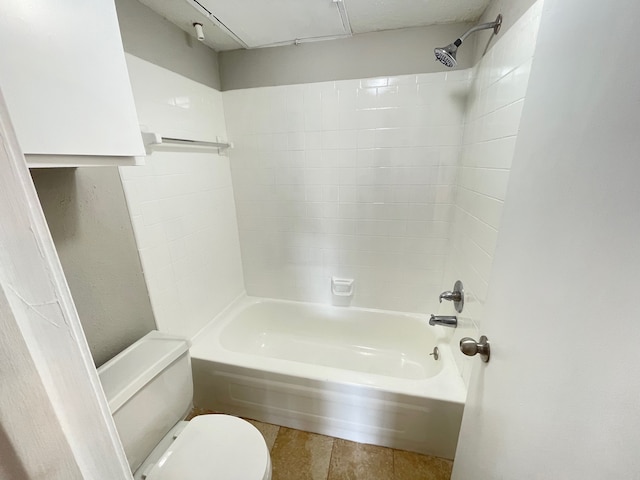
[149, 388]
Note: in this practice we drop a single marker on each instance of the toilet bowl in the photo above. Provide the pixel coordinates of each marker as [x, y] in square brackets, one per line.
[149, 389]
[230, 447]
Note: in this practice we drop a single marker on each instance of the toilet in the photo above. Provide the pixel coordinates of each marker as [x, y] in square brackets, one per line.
[150, 391]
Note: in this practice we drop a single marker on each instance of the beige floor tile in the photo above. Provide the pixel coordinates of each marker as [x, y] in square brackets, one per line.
[268, 431]
[413, 466]
[356, 461]
[300, 455]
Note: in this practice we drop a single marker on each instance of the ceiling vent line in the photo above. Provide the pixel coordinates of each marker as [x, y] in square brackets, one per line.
[213, 19]
[341, 10]
[344, 17]
[299, 41]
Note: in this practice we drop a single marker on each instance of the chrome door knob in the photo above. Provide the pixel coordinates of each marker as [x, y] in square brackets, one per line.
[470, 347]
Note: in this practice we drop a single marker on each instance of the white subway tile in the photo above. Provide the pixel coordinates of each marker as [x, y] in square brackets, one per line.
[346, 157]
[295, 140]
[313, 140]
[387, 97]
[347, 176]
[365, 139]
[431, 77]
[313, 193]
[330, 193]
[347, 96]
[313, 120]
[376, 197]
[347, 193]
[367, 98]
[290, 176]
[374, 82]
[348, 119]
[321, 176]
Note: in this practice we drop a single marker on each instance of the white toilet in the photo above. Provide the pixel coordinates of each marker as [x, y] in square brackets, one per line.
[150, 390]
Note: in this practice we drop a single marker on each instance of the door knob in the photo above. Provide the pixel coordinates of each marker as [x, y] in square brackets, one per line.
[470, 347]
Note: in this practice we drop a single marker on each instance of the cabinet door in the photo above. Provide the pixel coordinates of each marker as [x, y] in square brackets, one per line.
[64, 77]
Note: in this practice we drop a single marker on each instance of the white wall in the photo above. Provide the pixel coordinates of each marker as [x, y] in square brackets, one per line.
[491, 126]
[352, 178]
[181, 203]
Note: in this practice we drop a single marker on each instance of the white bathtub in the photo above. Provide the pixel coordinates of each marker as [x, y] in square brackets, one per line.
[358, 374]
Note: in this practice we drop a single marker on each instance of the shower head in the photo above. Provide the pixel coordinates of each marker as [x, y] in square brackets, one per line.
[447, 55]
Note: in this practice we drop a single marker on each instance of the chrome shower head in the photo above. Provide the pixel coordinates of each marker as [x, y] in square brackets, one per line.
[447, 55]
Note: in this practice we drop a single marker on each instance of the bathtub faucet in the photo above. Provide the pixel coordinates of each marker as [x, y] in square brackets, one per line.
[444, 320]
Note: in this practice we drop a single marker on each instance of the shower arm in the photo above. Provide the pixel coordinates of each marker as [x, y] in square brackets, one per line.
[483, 26]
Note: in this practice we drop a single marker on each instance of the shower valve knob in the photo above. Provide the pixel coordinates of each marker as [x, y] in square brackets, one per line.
[456, 296]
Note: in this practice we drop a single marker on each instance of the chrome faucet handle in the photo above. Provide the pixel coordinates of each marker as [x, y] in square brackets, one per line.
[449, 295]
[456, 296]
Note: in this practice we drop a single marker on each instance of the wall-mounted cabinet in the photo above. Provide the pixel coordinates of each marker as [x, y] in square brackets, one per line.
[64, 78]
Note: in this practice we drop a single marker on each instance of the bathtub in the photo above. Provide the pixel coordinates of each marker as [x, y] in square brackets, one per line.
[358, 374]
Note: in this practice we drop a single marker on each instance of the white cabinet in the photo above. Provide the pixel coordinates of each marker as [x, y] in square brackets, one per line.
[65, 81]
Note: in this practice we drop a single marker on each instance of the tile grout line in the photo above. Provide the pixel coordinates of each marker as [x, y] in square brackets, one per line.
[275, 440]
[333, 446]
[393, 463]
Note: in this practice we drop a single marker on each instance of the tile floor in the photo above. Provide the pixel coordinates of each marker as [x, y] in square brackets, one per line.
[298, 455]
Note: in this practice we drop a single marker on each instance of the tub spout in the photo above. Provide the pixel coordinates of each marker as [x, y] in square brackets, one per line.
[444, 320]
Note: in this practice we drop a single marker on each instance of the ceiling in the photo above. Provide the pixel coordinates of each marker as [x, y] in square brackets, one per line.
[233, 24]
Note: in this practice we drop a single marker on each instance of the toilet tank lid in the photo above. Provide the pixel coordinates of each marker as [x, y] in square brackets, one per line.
[130, 370]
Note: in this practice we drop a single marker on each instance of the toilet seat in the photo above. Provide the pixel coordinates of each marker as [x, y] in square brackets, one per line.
[215, 446]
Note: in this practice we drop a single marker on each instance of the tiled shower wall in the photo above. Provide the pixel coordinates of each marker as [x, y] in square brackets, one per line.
[492, 121]
[351, 179]
[181, 203]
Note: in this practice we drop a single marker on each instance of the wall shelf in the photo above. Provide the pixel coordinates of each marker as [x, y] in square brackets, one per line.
[152, 141]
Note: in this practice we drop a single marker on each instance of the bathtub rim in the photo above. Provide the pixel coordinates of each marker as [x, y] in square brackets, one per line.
[447, 385]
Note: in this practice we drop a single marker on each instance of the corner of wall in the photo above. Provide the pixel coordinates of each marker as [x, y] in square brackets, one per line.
[153, 38]
[511, 11]
[181, 203]
[491, 126]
